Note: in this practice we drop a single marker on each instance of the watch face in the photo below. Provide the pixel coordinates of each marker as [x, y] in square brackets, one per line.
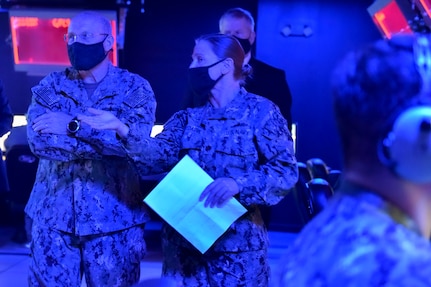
[73, 126]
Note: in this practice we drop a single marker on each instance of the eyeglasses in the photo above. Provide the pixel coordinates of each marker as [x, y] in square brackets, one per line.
[85, 37]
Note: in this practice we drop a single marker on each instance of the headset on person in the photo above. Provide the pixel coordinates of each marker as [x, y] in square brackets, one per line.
[407, 147]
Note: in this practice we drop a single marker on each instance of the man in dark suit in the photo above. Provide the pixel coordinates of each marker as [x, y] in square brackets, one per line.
[270, 82]
[266, 80]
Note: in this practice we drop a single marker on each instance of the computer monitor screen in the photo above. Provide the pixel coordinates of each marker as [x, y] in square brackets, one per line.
[37, 38]
[392, 17]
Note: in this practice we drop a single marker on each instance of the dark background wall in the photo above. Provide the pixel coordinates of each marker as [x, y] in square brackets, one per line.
[338, 27]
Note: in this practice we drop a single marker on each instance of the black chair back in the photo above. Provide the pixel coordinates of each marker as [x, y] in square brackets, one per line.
[21, 167]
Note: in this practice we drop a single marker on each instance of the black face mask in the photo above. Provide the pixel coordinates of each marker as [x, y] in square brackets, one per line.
[201, 83]
[245, 44]
[85, 57]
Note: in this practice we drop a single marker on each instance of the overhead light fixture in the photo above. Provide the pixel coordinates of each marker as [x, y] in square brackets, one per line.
[297, 30]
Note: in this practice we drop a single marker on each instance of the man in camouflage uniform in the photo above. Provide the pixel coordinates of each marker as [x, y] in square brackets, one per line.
[86, 206]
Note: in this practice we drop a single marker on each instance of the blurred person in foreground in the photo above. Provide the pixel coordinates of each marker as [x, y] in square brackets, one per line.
[242, 141]
[86, 205]
[376, 229]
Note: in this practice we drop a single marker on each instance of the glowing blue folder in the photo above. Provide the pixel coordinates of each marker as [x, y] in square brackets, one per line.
[176, 200]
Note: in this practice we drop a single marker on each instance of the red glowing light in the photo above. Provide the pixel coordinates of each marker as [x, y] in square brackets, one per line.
[37, 40]
[390, 17]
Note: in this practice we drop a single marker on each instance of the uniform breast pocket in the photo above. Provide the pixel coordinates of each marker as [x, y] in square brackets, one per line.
[236, 150]
[192, 142]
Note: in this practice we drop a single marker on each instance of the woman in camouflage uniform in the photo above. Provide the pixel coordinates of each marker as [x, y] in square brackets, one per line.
[242, 141]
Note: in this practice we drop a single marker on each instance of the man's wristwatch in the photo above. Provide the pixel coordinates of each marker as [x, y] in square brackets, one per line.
[73, 126]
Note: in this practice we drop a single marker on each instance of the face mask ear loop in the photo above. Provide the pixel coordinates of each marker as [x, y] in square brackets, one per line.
[110, 50]
[212, 65]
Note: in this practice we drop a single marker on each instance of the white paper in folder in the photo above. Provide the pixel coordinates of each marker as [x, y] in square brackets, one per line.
[176, 200]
